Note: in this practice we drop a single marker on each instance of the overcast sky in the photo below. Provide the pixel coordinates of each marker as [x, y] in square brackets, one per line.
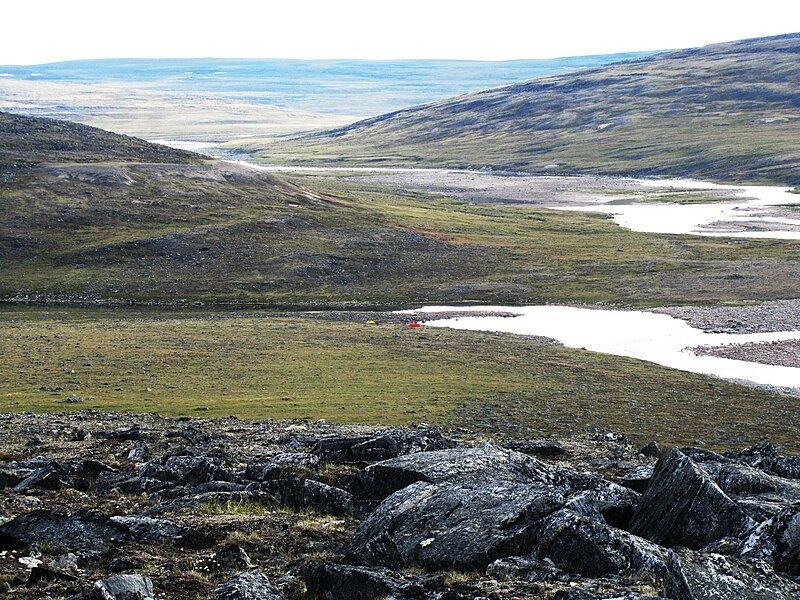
[37, 31]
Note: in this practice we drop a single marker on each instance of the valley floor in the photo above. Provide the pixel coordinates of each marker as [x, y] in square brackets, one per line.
[341, 367]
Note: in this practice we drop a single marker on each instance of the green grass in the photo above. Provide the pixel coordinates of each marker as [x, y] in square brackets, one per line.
[726, 112]
[234, 507]
[272, 366]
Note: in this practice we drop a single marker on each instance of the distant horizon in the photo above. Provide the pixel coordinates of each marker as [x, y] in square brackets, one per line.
[341, 59]
[54, 32]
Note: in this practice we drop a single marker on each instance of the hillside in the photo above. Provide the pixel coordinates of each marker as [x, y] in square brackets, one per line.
[94, 217]
[726, 112]
[29, 141]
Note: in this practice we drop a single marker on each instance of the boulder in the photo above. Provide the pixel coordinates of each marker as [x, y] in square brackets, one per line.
[83, 532]
[388, 444]
[307, 494]
[580, 545]
[280, 465]
[486, 462]
[777, 541]
[123, 587]
[760, 494]
[347, 582]
[452, 526]
[682, 506]
[526, 568]
[247, 586]
[786, 466]
[638, 478]
[696, 576]
[185, 470]
[149, 530]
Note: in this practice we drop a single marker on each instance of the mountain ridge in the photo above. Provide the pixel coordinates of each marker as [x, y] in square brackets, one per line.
[726, 111]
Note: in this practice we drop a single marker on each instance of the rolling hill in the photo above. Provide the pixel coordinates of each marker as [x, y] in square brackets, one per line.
[726, 112]
[94, 217]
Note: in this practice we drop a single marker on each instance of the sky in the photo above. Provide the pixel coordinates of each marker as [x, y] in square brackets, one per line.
[39, 31]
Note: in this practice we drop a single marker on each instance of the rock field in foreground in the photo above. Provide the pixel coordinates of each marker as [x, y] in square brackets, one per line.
[126, 507]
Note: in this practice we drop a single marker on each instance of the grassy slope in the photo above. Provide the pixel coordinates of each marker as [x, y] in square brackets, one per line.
[725, 112]
[109, 227]
[259, 366]
[168, 234]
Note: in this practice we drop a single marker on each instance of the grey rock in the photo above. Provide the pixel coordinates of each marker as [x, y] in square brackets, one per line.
[486, 462]
[695, 576]
[682, 506]
[526, 568]
[247, 586]
[385, 445]
[307, 494]
[348, 582]
[543, 448]
[280, 465]
[777, 541]
[451, 526]
[123, 587]
[638, 478]
[578, 544]
[83, 532]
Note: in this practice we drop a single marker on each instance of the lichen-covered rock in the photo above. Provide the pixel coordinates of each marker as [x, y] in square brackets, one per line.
[486, 462]
[82, 532]
[307, 494]
[525, 568]
[123, 587]
[452, 526]
[761, 495]
[348, 582]
[682, 506]
[384, 445]
[580, 545]
[777, 541]
[247, 586]
[696, 576]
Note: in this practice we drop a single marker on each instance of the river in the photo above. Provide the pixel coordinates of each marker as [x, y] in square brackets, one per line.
[653, 337]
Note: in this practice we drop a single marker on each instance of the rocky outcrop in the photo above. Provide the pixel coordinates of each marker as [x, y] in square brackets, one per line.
[682, 506]
[384, 445]
[777, 541]
[235, 509]
[452, 525]
[306, 494]
[693, 576]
